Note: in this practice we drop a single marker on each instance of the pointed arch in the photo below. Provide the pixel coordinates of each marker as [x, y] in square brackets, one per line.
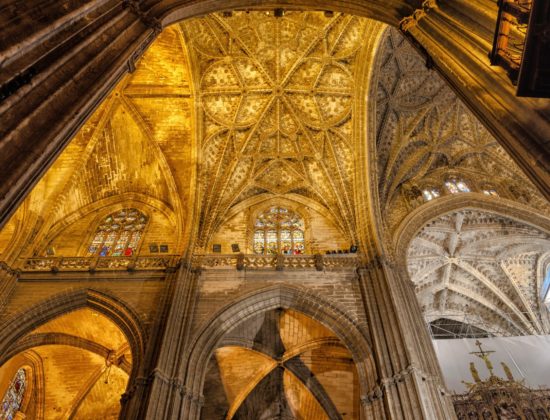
[276, 297]
[19, 324]
[414, 221]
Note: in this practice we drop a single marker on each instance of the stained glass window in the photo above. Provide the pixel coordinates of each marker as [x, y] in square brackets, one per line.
[455, 186]
[430, 193]
[118, 234]
[545, 292]
[279, 230]
[14, 395]
[490, 191]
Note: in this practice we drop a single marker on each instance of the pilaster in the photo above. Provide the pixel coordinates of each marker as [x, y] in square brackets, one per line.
[410, 383]
[8, 281]
[158, 390]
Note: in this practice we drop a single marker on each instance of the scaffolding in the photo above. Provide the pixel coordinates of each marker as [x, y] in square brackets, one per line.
[451, 325]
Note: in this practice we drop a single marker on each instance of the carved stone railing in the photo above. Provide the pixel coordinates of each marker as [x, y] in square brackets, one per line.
[56, 264]
[277, 262]
[317, 262]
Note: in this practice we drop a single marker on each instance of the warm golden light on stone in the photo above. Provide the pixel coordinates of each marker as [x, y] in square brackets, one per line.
[309, 350]
[331, 119]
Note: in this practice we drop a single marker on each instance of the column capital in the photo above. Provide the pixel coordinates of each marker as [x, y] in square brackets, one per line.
[4, 267]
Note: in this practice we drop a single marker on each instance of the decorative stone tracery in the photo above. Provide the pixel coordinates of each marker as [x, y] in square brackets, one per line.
[425, 135]
[480, 268]
[277, 97]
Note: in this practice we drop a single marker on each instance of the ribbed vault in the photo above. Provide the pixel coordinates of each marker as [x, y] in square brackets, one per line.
[277, 99]
[85, 362]
[281, 364]
[480, 268]
[423, 134]
[136, 150]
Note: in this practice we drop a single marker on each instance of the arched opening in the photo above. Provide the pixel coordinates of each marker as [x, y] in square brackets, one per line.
[281, 363]
[278, 231]
[118, 234]
[285, 359]
[81, 354]
[477, 274]
[478, 268]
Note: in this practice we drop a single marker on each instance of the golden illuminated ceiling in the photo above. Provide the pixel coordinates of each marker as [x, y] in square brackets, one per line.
[277, 98]
[423, 133]
[285, 364]
[271, 102]
[136, 150]
[80, 362]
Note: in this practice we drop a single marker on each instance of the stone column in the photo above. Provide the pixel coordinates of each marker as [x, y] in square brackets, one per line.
[8, 281]
[157, 393]
[410, 383]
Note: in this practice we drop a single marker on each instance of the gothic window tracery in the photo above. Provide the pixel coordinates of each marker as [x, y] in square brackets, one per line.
[118, 234]
[490, 191]
[430, 193]
[14, 395]
[278, 230]
[455, 186]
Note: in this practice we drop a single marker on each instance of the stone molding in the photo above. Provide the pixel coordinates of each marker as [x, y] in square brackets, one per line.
[411, 21]
[318, 262]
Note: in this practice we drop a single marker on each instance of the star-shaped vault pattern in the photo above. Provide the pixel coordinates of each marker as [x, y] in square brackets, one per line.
[276, 102]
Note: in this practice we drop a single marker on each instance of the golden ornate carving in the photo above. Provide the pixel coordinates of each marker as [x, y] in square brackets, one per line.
[497, 398]
[277, 99]
[411, 21]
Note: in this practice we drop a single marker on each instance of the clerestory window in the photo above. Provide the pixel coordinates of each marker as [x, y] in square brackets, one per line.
[279, 230]
[119, 234]
[430, 193]
[455, 186]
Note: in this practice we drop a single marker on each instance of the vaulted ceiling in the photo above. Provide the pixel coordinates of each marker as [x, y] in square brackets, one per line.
[277, 97]
[229, 107]
[480, 268]
[80, 362]
[136, 149]
[281, 364]
[425, 133]
[233, 106]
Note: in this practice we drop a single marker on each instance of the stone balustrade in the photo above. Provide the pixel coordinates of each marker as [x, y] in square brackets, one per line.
[56, 264]
[210, 261]
[277, 262]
